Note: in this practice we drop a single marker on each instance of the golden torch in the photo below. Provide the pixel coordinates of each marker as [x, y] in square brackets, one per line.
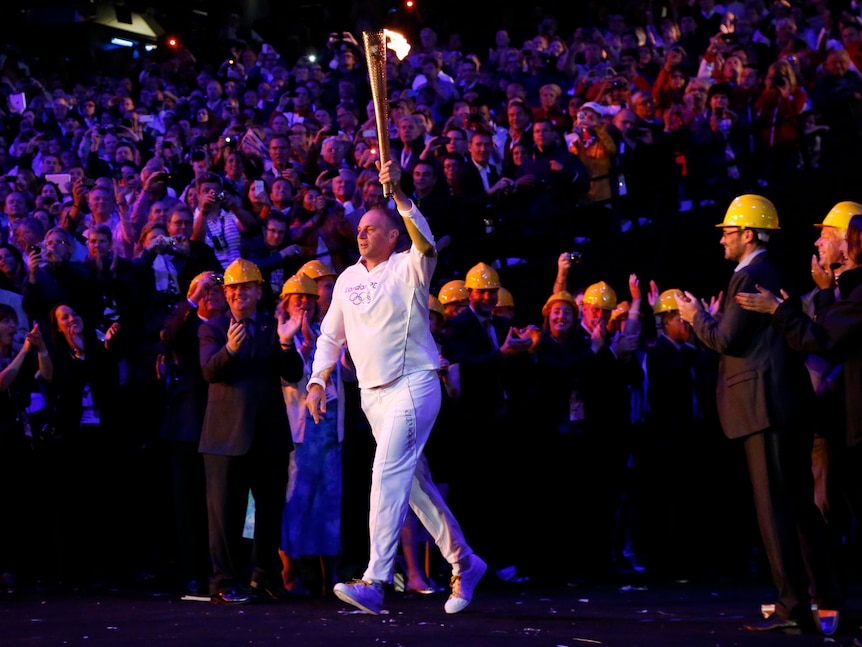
[375, 57]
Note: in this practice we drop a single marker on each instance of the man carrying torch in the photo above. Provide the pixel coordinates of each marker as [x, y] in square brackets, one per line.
[380, 310]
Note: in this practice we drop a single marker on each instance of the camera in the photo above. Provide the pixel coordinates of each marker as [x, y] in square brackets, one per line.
[220, 196]
[575, 257]
[719, 112]
[618, 84]
[229, 140]
[779, 81]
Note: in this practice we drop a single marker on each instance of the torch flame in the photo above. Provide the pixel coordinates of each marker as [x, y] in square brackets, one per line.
[397, 43]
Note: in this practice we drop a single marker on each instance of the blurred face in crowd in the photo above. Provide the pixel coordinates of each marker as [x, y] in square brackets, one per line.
[544, 135]
[51, 164]
[838, 62]
[16, 205]
[595, 316]
[279, 151]
[279, 125]
[300, 138]
[451, 169]
[518, 117]
[561, 318]
[275, 233]
[343, 186]
[57, 248]
[325, 286]
[423, 178]
[101, 203]
[242, 298]
[213, 302]
[298, 304]
[409, 129]
[69, 322]
[99, 245]
[483, 301]
[180, 223]
[281, 193]
[333, 151]
[457, 142]
[644, 106]
[830, 246]
[481, 146]
[372, 195]
[675, 328]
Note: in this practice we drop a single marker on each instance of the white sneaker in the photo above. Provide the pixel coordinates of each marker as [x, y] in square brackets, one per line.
[464, 584]
[364, 595]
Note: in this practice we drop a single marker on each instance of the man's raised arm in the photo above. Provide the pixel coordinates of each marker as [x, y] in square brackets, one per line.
[417, 227]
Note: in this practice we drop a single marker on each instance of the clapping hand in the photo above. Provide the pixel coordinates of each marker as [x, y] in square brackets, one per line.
[236, 336]
[761, 301]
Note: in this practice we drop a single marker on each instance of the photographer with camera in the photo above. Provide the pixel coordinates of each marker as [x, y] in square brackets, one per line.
[215, 222]
[777, 123]
[718, 154]
[590, 141]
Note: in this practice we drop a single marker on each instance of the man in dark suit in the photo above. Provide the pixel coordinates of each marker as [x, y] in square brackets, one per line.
[763, 393]
[477, 192]
[246, 436]
[490, 355]
[407, 149]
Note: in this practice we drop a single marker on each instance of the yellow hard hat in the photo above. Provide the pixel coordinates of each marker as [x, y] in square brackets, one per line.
[299, 283]
[559, 297]
[602, 295]
[435, 305]
[453, 292]
[200, 277]
[317, 269]
[505, 299]
[839, 216]
[482, 277]
[242, 271]
[752, 212]
[667, 301]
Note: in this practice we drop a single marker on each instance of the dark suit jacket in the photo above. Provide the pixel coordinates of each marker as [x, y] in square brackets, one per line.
[837, 335]
[762, 383]
[482, 364]
[245, 402]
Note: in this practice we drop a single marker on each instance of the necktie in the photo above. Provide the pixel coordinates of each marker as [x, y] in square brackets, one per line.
[249, 327]
[248, 345]
[489, 331]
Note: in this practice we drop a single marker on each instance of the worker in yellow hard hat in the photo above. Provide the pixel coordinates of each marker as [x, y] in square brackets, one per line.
[454, 297]
[324, 276]
[764, 397]
[831, 247]
[505, 307]
[244, 355]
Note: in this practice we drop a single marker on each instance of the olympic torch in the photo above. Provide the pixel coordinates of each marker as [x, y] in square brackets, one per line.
[375, 57]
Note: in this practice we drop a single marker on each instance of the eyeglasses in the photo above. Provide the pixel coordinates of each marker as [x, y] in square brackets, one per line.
[730, 232]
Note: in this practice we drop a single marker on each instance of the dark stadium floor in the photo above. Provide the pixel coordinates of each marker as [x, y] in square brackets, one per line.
[617, 616]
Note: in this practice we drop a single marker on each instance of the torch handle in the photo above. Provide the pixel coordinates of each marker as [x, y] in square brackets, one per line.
[375, 56]
[384, 148]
